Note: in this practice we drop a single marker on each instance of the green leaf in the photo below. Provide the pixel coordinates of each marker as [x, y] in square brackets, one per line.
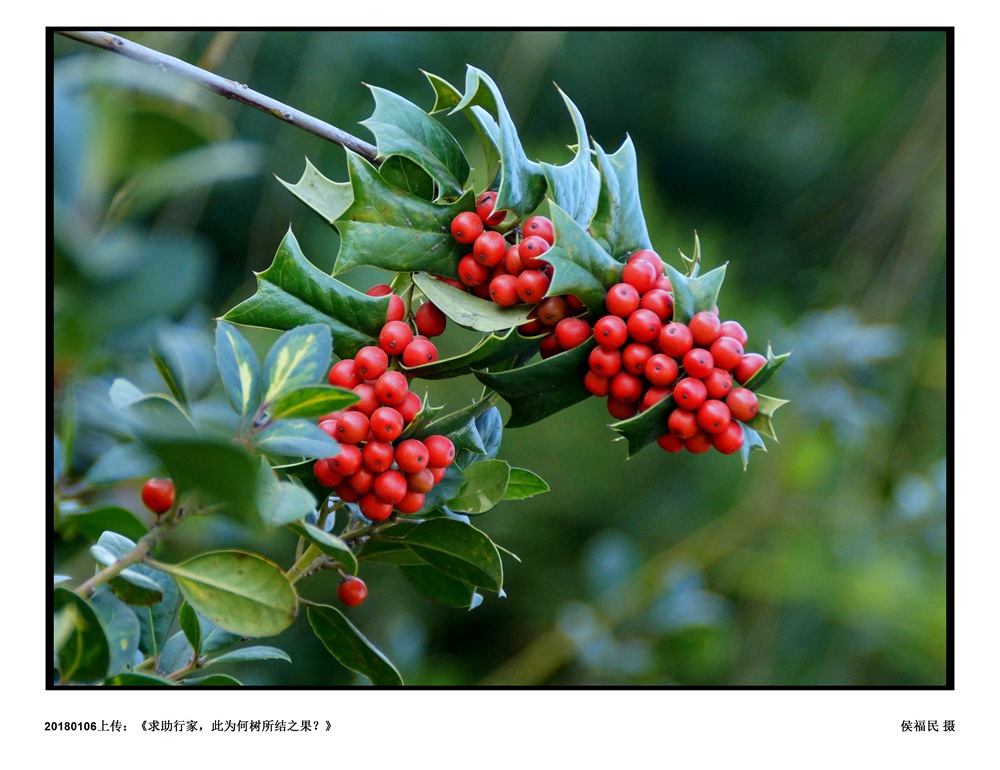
[484, 485]
[575, 186]
[293, 292]
[239, 369]
[255, 652]
[84, 655]
[492, 349]
[407, 176]
[120, 463]
[522, 182]
[646, 427]
[349, 646]
[158, 415]
[543, 388]
[312, 401]
[619, 225]
[766, 372]
[328, 543]
[470, 311]
[458, 550]
[696, 293]
[130, 585]
[93, 522]
[389, 228]
[327, 198]
[239, 592]
[156, 620]
[402, 128]
[184, 361]
[439, 587]
[751, 442]
[280, 502]
[300, 357]
[447, 97]
[296, 438]
[130, 679]
[222, 472]
[121, 628]
[766, 407]
[191, 628]
[213, 680]
[523, 484]
[580, 265]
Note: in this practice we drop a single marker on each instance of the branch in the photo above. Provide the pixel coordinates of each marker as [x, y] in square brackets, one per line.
[227, 88]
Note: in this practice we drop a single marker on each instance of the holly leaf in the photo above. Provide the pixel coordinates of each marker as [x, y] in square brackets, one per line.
[543, 388]
[293, 292]
[619, 225]
[522, 181]
[766, 407]
[327, 198]
[767, 371]
[299, 358]
[498, 346]
[467, 310]
[239, 369]
[407, 176]
[576, 185]
[389, 228]
[751, 443]
[580, 266]
[692, 294]
[645, 427]
[402, 128]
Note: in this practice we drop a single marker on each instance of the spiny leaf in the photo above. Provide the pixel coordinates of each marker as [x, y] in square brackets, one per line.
[468, 310]
[576, 185]
[618, 224]
[580, 265]
[327, 198]
[692, 294]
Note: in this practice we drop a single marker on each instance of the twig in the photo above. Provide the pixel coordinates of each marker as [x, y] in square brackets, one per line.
[227, 88]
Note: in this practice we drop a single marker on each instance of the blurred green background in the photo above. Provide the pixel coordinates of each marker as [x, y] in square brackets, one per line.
[813, 162]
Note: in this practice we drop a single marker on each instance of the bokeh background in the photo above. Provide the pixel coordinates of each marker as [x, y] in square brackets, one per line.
[814, 162]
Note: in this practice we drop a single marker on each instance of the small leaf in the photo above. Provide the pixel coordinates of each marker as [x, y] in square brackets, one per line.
[458, 550]
[300, 357]
[389, 228]
[575, 186]
[765, 373]
[191, 628]
[619, 225]
[121, 628]
[312, 401]
[130, 585]
[84, 655]
[327, 198]
[751, 442]
[239, 369]
[694, 294]
[280, 502]
[349, 646]
[238, 591]
[766, 407]
[330, 544]
[256, 652]
[293, 292]
[484, 485]
[580, 265]
[523, 484]
[185, 362]
[296, 438]
[156, 620]
[439, 587]
[402, 128]
[646, 427]
[470, 311]
[447, 97]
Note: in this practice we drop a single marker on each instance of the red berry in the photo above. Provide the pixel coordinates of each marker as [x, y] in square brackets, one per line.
[410, 407]
[596, 384]
[440, 451]
[532, 285]
[649, 256]
[726, 352]
[571, 332]
[675, 339]
[606, 362]
[422, 481]
[530, 249]
[552, 310]
[361, 481]
[373, 508]
[610, 331]
[396, 310]
[325, 475]
[352, 427]
[653, 396]
[503, 290]
[344, 374]
[352, 591]
[660, 302]
[367, 402]
[704, 328]
[411, 502]
[698, 362]
[430, 320]
[661, 370]
[540, 226]
[346, 461]
[729, 440]
[690, 393]
[644, 325]
[626, 387]
[485, 204]
[489, 248]
[471, 272]
[749, 365]
[390, 486]
[634, 357]
[733, 329]
[377, 456]
[158, 495]
[641, 274]
[621, 410]
[622, 300]
[682, 424]
[371, 362]
[386, 424]
[713, 416]
[742, 404]
[379, 290]
[466, 227]
[512, 260]
[670, 443]
[419, 352]
[412, 456]
[548, 346]
[394, 337]
[391, 388]
[698, 443]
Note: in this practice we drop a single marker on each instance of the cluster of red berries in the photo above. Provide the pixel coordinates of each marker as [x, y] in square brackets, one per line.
[510, 273]
[374, 468]
[643, 356]
[398, 338]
